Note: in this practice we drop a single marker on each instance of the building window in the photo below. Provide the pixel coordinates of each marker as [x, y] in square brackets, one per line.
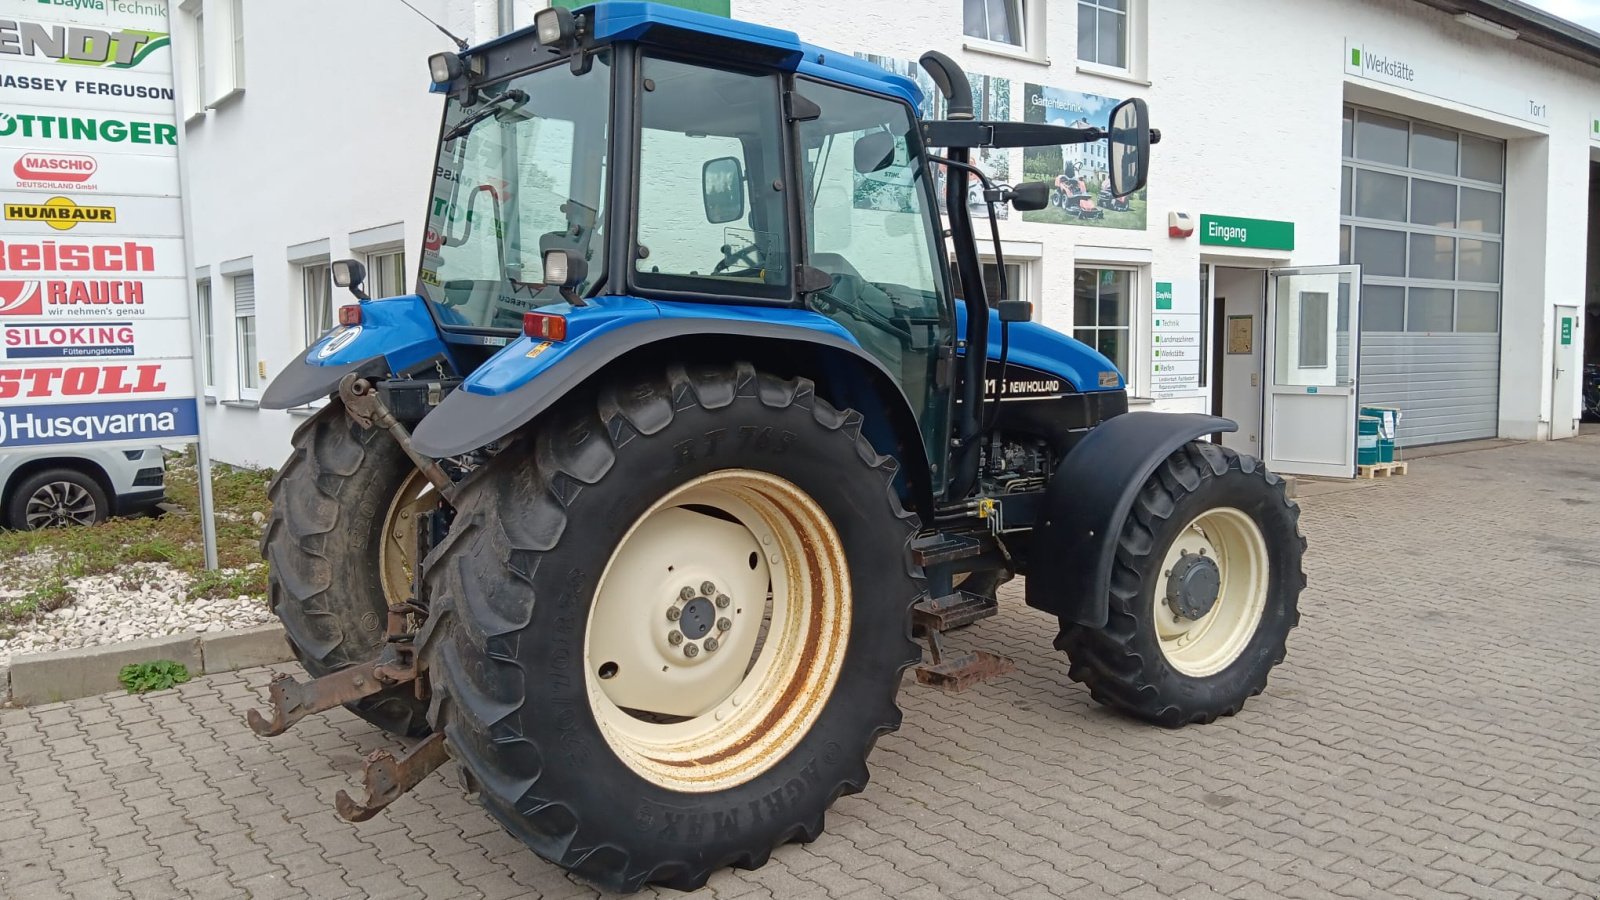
[192, 27]
[1000, 21]
[244, 324]
[207, 348]
[386, 273]
[1103, 32]
[1103, 305]
[317, 284]
[1423, 214]
[237, 25]
[1313, 330]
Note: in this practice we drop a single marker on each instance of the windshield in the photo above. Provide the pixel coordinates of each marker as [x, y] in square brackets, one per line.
[523, 172]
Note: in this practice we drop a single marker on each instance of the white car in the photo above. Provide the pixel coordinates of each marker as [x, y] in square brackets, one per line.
[80, 486]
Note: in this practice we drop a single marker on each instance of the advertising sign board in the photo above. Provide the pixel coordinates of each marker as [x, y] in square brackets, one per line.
[95, 332]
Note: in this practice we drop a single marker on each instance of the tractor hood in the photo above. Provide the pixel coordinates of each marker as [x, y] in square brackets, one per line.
[1047, 350]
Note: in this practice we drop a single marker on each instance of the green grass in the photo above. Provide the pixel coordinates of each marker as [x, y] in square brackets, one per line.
[41, 563]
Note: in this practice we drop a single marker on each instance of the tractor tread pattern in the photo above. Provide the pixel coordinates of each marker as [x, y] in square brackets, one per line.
[1105, 659]
[476, 700]
[304, 546]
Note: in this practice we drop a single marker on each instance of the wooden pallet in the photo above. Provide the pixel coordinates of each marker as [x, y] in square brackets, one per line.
[1381, 470]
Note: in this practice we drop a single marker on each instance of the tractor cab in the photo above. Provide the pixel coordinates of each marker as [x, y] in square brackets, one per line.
[631, 160]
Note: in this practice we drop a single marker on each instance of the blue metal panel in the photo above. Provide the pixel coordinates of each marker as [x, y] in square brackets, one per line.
[525, 358]
[1050, 351]
[397, 328]
[632, 20]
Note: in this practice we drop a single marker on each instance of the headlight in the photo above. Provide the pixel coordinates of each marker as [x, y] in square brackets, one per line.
[443, 68]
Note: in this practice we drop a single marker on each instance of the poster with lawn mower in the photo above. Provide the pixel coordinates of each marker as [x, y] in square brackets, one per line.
[1081, 193]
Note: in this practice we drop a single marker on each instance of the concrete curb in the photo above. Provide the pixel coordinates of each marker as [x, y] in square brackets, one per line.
[70, 674]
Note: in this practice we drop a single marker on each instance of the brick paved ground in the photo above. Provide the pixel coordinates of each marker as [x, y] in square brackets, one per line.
[1432, 734]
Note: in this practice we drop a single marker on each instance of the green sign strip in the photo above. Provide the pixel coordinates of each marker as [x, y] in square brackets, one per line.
[723, 8]
[1566, 331]
[1163, 296]
[1259, 234]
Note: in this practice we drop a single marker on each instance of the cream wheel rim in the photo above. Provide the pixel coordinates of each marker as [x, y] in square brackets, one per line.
[717, 631]
[1203, 646]
[398, 549]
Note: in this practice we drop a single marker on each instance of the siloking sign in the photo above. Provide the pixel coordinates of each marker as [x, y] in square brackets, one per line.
[94, 310]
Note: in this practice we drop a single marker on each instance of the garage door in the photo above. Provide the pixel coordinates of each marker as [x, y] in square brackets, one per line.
[1422, 213]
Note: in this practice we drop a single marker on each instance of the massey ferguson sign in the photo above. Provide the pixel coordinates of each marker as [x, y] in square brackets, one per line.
[94, 297]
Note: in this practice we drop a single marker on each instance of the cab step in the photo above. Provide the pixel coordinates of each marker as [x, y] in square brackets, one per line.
[953, 611]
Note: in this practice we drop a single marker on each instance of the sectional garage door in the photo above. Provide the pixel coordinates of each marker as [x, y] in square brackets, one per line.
[1422, 213]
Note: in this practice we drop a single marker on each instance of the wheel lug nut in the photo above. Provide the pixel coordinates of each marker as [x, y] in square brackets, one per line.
[674, 638]
[723, 601]
[711, 645]
[707, 588]
[724, 624]
[686, 594]
[691, 650]
[673, 613]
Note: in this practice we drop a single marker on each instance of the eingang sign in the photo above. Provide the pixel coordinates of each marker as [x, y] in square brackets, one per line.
[1258, 234]
[95, 340]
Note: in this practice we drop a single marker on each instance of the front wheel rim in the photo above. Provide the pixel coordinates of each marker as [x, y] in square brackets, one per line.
[1204, 646]
[717, 631]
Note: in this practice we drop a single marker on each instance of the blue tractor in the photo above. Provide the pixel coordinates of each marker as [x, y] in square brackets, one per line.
[638, 509]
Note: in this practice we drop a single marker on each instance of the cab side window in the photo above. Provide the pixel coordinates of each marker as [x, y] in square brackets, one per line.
[711, 215]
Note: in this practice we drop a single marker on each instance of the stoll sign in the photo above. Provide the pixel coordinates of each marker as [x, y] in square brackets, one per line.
[94, 312]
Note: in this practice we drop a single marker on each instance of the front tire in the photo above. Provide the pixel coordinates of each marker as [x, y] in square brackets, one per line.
[719, 506]
[336, 555]
[1204, 591]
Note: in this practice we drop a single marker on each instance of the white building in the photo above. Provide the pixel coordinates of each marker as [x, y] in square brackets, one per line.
[1447, 146]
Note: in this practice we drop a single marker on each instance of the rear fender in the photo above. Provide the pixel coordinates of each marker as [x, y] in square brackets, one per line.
[530, 376]
[395, 336]
[1088, 501]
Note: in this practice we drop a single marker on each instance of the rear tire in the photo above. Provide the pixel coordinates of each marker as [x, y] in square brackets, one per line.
[330, 506]
[544, 605]
[1157, 664]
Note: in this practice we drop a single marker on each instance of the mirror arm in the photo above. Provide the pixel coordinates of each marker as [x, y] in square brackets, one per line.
[1005, 134]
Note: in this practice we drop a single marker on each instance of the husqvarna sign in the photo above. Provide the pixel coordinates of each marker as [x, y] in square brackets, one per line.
[94, 311]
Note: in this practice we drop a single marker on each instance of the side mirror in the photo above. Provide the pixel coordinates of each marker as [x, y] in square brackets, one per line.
[349, 273]
[722, 185]
[1030, 196]
[1128, 146]
[874, 152]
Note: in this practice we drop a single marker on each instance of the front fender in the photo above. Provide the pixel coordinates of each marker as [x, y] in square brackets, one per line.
[1087, 502]
[529, 376]
[395, 335]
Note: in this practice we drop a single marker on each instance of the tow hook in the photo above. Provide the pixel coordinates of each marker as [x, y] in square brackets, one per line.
[361, 403]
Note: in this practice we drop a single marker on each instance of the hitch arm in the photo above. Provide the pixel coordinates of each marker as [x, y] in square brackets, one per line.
[386, 777]
[361, 403]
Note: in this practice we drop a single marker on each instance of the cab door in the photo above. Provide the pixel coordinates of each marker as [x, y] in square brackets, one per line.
[872, 227]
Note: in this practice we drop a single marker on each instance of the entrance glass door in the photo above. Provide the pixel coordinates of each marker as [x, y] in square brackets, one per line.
[1309, 402]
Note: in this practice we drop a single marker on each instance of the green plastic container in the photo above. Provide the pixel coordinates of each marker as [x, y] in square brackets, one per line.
[1367, 428]
[1388, 423]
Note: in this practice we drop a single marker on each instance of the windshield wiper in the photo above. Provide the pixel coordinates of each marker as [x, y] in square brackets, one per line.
[519, 98]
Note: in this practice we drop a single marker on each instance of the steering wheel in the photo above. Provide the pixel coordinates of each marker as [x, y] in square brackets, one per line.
[732, 257]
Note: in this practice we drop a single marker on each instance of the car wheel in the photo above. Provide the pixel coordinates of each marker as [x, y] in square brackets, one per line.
[57, 498]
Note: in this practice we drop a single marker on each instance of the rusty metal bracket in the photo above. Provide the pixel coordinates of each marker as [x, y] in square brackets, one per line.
[954, 674]
[362, 404]
[290, 700]
[386, 777]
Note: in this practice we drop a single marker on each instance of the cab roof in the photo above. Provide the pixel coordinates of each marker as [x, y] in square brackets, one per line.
[714, 37]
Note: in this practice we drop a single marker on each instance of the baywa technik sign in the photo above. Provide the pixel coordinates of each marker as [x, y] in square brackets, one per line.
[1076, 172]
[94, 328]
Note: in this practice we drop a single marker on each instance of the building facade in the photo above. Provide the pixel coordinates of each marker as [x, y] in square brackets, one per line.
[1446, 147]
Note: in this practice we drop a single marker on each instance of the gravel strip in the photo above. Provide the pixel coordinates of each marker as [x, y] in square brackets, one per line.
[144, 600]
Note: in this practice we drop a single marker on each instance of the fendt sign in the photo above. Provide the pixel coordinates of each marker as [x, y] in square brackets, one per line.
[94, 304]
